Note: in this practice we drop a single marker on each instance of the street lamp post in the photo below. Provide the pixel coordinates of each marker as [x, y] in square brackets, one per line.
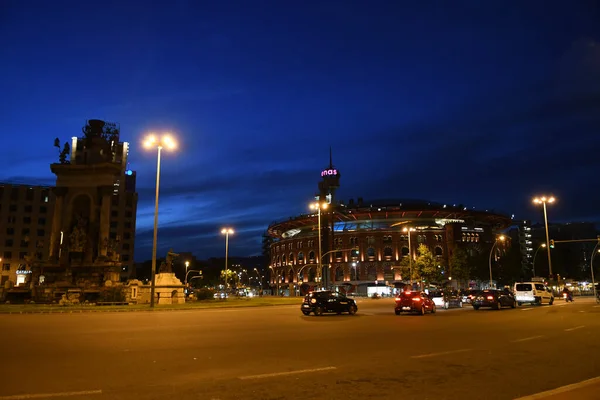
[594, 252]
[226, 232]
[501, 238]
[535, 255]
[543, 200]
[409, 230]
[187, 264]
[318, 206]
[154, 142]
[259, 279]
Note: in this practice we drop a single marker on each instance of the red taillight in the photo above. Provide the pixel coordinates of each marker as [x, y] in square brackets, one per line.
[416, 299]
[490, 297]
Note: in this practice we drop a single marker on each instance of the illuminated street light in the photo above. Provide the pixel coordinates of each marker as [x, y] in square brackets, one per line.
[187, 264]
[318, 206]
[152, 141]
[409, 230]
[543, 200]
[226, 232]
[501, 238]
[535, 255]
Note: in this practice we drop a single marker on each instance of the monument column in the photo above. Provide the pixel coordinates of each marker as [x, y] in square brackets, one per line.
[59, 193]
[104, 223]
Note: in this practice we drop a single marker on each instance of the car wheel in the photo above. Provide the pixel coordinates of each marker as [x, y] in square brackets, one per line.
[551, 301]
[319, 311]
[513, 305]
[397, 312]
[422, 312]
[498, 305]
[306, 312]
[352, 310]
[433, 309]
[475, 308]
[519, 303]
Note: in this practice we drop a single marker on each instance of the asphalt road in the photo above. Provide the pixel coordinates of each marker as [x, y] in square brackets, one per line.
[277, 353]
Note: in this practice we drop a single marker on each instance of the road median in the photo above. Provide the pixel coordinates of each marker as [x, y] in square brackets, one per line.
[197, 305]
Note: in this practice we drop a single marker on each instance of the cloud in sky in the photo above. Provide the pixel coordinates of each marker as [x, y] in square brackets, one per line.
[457, 104]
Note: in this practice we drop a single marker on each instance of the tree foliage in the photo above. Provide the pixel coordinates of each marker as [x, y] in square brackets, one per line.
[460, 266]
[427, 266]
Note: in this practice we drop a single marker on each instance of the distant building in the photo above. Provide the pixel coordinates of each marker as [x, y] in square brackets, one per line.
[26, 222]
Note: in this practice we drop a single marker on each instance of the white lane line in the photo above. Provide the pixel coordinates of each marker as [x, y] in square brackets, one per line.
[572, 329]
[443, 353]
[274, 374]
[596, 306]
[527, 309]
[48, 395]
[562, 389]
[526, 339]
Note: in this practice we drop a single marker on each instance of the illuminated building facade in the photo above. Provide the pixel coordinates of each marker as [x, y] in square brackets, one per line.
[26, 216]
[376, 229]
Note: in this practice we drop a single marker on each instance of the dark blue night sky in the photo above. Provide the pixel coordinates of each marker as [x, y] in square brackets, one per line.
[478, 102]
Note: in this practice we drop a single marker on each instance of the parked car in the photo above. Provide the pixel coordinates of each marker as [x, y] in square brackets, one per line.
[533, 293]
[326, 301]
[495, 299]
[414, 302]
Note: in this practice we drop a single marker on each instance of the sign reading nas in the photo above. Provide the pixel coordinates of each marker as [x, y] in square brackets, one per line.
[329, 172]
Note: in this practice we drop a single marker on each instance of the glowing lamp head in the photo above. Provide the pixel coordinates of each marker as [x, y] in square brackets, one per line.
[543, 245]
[227, 231]
[502, 238]
[166, 141]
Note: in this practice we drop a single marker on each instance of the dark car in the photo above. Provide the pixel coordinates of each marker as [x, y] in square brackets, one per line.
[326, 301]
[495, 299]
[413, 302]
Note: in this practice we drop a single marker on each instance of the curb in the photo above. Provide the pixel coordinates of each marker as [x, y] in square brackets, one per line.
[67, 311]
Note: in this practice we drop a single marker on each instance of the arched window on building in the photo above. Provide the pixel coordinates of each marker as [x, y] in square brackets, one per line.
[300, 257]
[388, 253]
[283, 259]
[355, 273]
[371, 273]
[311, 256]
[278, 260]
[371, 252]
[291, 258]
[438, 251]
[387, 239]
[405, 251]
[339, 274]
[311, 274]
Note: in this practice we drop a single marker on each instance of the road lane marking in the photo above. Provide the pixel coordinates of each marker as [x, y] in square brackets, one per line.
[274, 374]
[48, 395]
[443, 353]
[527, 309]
[562, 389]
[572, 329]
[596, 306]
[526, 339]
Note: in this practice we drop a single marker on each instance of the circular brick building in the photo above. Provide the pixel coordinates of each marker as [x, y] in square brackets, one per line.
[377, 230]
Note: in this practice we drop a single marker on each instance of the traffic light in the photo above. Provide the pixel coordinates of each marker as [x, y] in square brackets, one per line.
[354, 253]
[551, 243]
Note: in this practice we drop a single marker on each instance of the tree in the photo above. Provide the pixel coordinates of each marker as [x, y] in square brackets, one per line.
[460, 266]
[232, 277]
[427, 266]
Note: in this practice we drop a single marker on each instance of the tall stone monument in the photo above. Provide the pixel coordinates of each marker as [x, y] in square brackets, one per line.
[84, 253]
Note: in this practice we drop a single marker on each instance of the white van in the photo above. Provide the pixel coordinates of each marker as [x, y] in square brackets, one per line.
[533, 293]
